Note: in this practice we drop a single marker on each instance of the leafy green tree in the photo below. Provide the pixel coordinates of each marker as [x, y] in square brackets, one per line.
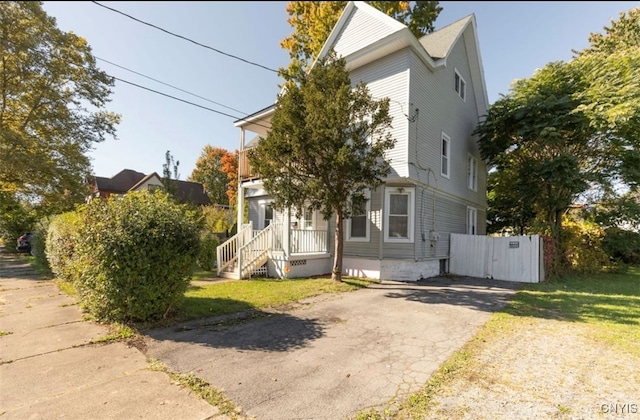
[326, 145]
[170, 175]
[570, 130]
[52, 99]
[312, 22]
[217, 170]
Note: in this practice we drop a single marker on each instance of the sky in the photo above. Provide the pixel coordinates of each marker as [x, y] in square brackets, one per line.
[234, 75]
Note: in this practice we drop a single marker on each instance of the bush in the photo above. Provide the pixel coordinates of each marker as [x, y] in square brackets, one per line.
[622, 245]
[208, 251]
[60, 244]
[582, 246]
[39, 243]
[136, 256]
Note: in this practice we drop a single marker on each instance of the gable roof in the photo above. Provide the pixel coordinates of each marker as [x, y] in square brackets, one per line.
[433, 49]
[439, 43]
[129, 180]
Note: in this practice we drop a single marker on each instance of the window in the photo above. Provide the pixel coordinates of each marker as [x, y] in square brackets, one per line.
[358, 225]
[472, 216]
[446, 149]
[268, 214]
[460, 85]
[152, 187]
[472, 173]
[399, 204]
[307, 219]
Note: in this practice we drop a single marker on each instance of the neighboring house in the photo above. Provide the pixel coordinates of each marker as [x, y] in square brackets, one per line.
[128, 180]
[437, 185]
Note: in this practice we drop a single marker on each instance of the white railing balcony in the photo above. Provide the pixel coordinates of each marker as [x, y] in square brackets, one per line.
[308, 241]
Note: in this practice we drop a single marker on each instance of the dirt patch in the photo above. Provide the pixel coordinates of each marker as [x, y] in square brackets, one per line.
[541, 368]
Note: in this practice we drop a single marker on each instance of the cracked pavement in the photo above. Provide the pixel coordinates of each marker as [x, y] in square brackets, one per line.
[332, 356]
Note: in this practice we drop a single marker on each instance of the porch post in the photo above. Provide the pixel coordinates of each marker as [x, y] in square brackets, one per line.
[286, 234]
[240, 208]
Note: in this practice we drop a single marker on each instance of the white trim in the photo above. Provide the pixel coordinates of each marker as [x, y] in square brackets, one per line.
[410, 192]
[472, 221]
[460, 85]
[446, 154]
[472, 172]
[367, 214]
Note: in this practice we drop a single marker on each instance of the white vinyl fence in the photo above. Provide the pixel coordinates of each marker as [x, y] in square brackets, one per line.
[513, 258]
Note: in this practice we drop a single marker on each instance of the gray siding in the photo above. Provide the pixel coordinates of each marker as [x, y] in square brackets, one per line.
[370, 248]
[442, 110]
[388, 77]
[360, 30]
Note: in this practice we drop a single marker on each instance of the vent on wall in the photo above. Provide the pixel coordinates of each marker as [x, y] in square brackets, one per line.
[298, 262]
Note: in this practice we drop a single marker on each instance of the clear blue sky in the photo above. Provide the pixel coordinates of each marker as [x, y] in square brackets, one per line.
[515, 39]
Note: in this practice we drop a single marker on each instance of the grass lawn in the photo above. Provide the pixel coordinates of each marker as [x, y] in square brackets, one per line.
[605, 306]
[241, 295]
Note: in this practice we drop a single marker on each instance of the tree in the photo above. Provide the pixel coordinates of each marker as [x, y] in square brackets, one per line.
[312, 22]
[217, 170]
[52, 99]
[570, 130]
[326, 146]
[170, 174]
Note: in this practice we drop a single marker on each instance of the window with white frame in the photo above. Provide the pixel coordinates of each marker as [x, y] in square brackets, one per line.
[307, 219]
[398, 220]
[446, 151]
[358, 224]
[460, 85]
[472, 173]
[472, 217]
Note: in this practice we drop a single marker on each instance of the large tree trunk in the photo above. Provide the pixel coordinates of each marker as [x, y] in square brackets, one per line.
[336, 273]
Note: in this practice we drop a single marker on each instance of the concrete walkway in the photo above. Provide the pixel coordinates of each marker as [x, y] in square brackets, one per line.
[329, 357]
[48, 369]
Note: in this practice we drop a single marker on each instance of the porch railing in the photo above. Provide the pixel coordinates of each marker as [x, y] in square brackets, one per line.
[255, 252]
[308, 241]
[227, 253]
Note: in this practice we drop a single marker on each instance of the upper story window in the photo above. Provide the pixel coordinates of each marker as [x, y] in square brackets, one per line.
[446, 152]
[398, 220]
[472, 173]
[460, 85]
[472, 220]
[358, 225]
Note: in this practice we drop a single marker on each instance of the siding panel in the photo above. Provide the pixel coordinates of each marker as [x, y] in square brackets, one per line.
[388, 77]
[360, 30]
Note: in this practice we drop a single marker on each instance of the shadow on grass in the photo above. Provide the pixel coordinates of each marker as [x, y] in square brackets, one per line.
[612, 298]
[246, 329]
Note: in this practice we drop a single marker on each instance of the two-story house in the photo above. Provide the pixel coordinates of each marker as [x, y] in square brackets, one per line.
[437, 185]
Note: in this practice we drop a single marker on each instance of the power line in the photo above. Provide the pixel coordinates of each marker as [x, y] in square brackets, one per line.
[185, 38]
[167, 84]
[188, 102]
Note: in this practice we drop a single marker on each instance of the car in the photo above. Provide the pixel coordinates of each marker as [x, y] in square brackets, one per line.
[24, 243]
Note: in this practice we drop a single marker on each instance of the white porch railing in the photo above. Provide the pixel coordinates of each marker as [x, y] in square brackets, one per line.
[255, 252]
[308, 241]
[227, 253]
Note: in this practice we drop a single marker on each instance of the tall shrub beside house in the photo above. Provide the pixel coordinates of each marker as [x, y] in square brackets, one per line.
[136, 256]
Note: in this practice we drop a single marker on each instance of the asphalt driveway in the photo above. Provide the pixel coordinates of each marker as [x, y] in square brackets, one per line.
[332, 356]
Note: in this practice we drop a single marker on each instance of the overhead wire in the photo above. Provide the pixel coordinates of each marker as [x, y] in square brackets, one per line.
[188, 102]
[185, 38]
[167, 84]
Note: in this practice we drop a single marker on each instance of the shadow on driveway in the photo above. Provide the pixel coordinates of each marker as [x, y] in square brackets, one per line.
[468, 292]
[277, 332]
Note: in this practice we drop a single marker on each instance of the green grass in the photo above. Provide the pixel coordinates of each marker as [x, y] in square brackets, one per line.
[117, 332]
[242, 295]
[608, 303]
